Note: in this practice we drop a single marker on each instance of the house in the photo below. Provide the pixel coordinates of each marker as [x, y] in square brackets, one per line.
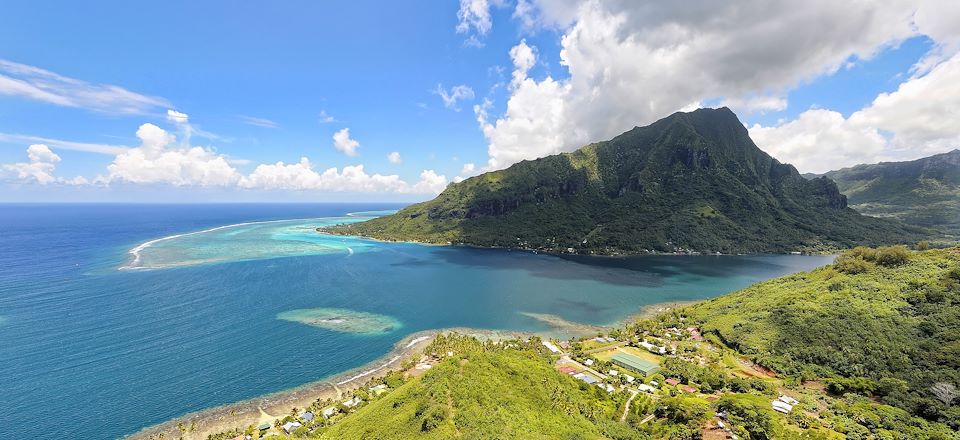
[378, 390]
[634, 363]
[329, 411]
[588, 362]
[788, 400]
[646, 388]
[613, 372]
[688, 389]
[629, 378]
[291, 426]
[264, 426]
[586, 378]
[605, 386]
[695, 334]
[652, 348]
[782, 406]
[551, 347]
[784, 403]
[353, 402]
[673, 382]
[567, 369]
[308, 416]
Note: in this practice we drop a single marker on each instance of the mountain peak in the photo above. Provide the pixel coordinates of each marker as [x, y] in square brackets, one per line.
[692, 180]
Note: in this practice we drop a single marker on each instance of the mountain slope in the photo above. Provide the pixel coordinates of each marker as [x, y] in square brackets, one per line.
[691, 181]
[923, 192]
[888, 318]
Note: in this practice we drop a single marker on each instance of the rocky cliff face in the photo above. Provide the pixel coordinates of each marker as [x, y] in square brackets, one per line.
[689, 181]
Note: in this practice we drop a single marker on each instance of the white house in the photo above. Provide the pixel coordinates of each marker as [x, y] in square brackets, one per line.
[291, 426]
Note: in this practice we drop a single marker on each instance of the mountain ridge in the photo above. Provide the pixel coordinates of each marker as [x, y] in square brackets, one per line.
[688, 182]
[923, 192]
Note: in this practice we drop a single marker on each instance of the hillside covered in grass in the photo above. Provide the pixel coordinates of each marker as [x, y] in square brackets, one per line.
[883, 323]
[690, 181]
[923, 192]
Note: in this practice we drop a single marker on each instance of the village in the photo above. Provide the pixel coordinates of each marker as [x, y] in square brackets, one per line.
[640, 361]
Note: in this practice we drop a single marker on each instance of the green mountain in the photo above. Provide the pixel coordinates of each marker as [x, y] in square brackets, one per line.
[923, 192]
[693, 181]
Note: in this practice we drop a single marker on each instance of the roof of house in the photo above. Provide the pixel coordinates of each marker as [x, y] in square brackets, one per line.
[634, 363]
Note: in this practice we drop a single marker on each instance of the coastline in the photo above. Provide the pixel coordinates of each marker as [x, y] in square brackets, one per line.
[278, 404]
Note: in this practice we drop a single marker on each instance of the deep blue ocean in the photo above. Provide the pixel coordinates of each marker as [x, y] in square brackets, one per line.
[98, 342]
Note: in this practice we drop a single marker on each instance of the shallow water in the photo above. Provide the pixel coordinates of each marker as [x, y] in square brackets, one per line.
[105, 352]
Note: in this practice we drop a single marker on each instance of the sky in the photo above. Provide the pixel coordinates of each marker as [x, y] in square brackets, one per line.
[236, 101]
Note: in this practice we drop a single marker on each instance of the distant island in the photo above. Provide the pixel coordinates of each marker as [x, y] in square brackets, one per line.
[691, 182]
[864, 348]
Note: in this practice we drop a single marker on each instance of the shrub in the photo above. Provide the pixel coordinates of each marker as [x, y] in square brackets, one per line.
[892, 256]
[852, 264]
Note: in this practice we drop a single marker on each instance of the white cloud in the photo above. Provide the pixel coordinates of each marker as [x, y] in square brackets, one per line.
[159, 160]
[630, 63]
[301, 176]
[259, 122]
[343, 142]
[474, 19]
[457, 93]
[42, 85]
[911, 122]
[62, 144]
[394, 157]
[324, 118]
[40, 167]
[42, 163]
[430, 183]
[755, 104]
[468, 170]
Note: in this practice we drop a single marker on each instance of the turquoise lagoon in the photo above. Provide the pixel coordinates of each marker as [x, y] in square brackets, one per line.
[117, 317]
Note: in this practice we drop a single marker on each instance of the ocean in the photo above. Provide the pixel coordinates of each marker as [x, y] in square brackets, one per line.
[117, 317]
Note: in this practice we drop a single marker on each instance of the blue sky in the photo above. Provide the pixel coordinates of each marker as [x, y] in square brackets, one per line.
[268, 82]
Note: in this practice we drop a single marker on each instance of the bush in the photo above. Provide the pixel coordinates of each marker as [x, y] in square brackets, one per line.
[852, 264]
[892, 256]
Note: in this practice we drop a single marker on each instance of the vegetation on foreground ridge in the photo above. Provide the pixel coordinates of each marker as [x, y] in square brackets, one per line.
[865, 348]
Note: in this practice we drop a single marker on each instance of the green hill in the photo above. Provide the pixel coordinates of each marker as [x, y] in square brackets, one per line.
[923, 192]
[692, 181]
[485, 391]
[884, 323]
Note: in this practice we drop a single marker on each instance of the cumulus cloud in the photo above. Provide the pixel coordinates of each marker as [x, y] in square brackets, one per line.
[302, 176]
[394, 157]
[631, 62]
[42, 85]
[159, 159]
[911, 122]
[457, 93]
[40, 167]
[468, 170]
[343, 143]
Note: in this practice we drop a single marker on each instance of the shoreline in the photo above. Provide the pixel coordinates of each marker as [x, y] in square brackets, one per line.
[618, 254]
[276, 405]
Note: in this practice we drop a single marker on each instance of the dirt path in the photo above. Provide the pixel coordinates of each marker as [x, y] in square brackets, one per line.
[626, 407]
